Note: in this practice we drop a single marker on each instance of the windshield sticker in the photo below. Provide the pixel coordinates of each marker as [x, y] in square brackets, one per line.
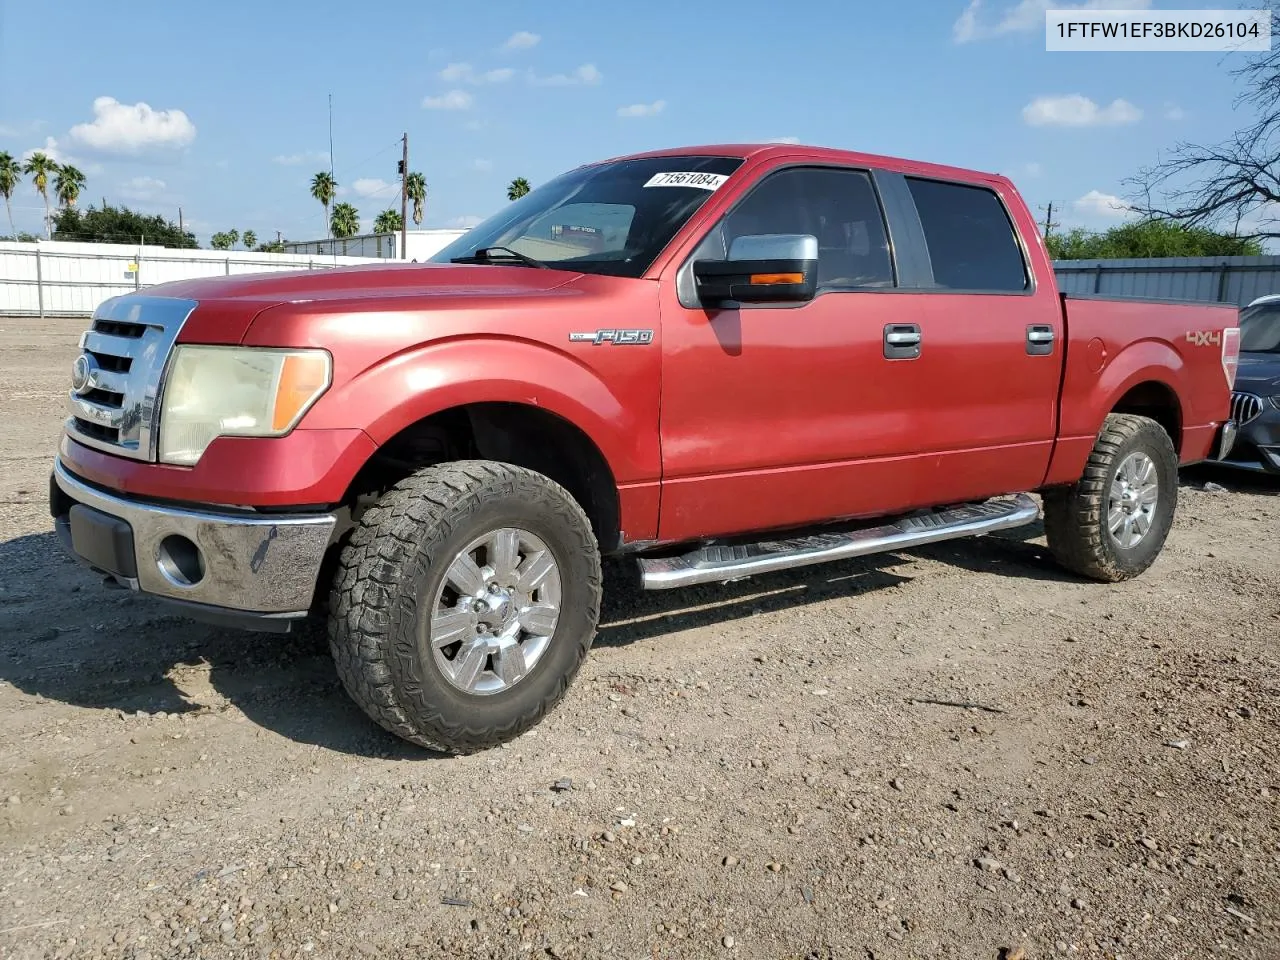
[703, 181]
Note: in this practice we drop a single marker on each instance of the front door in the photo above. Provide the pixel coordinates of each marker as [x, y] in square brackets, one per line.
[780, 415]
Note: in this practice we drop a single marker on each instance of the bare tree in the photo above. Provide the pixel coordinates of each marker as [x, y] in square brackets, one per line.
[1233, 184]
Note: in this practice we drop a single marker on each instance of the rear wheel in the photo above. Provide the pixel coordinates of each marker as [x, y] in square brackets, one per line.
[464, 604]
[1112, 523]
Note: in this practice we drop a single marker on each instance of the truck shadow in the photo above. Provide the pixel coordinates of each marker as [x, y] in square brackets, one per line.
[71, 639]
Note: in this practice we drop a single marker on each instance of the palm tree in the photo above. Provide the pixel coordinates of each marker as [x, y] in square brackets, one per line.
[345, 222]
[415, 186]
[388, 221]
[323, 188]
[68, 184]
[233, 235]
[41, 167]
[517, 188]
[10, 177]
[249, 238]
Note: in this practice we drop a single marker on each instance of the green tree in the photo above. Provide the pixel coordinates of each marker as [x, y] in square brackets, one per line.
[271, 246]
[517, 188]
[345, 221]
[67, 184]
[40, 167]
[221, 241]
[10, 177]
[119, 225]
[1149, 238]
[388, 221]
[249, 238]
[234, 236]
[415, 186]
[324, 188]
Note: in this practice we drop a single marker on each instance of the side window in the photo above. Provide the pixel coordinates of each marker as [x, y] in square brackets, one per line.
[839, 207]
[971, 240]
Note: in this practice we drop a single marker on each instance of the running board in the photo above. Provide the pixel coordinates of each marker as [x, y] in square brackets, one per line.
[721, 564]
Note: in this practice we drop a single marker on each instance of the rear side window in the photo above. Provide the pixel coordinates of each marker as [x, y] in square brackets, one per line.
[971, 241]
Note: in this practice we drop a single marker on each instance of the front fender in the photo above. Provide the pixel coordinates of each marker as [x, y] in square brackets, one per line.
[620, 418]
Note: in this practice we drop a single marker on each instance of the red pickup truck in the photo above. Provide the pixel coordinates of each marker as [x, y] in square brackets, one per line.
[718, 361]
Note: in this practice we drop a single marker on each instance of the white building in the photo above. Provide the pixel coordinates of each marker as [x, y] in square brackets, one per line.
[419, 244]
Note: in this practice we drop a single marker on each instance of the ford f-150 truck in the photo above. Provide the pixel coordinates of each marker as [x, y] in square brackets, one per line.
[712, 362]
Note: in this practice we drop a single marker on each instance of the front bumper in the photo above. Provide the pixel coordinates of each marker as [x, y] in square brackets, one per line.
[245, 568]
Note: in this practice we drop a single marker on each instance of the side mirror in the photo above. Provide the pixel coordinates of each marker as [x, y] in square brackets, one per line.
[764, 268]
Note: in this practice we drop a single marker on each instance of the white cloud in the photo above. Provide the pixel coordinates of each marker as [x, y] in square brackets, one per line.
[133, 128]
[585, 75]
[1097, 204]
[142, 188]
[522, 40]
[484, 166]
[465, 73]
[453, 100]
[372, 186]
[50, 150]
[474, 125]
[1076, 110]
[307, 156]
[1032, 169]
[1025, 16]
[57, 154]
[643, 109]
[782, 140]
[466, 222]
[1174, 112]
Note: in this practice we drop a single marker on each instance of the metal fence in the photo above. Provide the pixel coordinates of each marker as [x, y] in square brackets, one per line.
[1237, 280]
[71, 279]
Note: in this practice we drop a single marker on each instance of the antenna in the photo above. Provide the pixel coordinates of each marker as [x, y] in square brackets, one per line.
[331, 135]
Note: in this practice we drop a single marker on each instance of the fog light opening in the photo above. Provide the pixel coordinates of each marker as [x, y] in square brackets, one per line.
[180, 561]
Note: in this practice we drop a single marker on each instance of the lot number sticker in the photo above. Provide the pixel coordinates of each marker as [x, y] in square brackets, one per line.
[703, 181]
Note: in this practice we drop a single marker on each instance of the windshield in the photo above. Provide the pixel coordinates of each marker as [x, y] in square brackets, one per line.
[611, 218]
[1260, 328]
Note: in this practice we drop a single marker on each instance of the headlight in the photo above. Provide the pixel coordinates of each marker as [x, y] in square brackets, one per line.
[236, 391]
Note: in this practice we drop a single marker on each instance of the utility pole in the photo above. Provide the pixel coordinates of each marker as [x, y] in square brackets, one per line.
[1048, 221]
[404, 198]
[180, 220]
[328, 227]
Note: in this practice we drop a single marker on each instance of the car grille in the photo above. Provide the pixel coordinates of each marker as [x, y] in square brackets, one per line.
[1244, 407]
[124, 352]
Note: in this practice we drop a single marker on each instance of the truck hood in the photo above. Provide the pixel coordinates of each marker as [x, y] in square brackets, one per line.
[1259, 372]
[228, 305]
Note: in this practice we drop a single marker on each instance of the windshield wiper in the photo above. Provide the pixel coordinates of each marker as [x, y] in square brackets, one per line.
[499, 254]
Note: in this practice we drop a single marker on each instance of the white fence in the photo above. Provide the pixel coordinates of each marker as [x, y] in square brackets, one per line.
[56, 278]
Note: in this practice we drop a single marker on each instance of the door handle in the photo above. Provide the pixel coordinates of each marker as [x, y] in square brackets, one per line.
[902, 341]
[1040, 339]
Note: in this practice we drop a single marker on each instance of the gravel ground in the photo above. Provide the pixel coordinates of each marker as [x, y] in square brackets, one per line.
[953, 752]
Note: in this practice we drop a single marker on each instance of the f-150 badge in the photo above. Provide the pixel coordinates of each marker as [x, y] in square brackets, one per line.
[620, 337]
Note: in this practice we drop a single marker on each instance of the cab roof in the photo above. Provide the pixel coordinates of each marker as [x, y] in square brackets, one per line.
[800, 151]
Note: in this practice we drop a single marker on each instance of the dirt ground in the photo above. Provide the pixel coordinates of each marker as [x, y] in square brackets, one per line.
[956, 752]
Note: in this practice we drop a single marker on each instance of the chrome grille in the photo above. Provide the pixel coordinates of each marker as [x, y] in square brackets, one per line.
[123, 355]
[1244, 407]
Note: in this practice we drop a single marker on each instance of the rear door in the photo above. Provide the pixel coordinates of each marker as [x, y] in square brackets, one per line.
[983, 389]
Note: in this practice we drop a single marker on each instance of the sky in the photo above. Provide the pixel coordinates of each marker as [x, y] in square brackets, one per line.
[222, 109]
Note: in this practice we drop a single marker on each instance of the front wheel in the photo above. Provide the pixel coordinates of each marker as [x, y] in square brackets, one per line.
[1112, 523]
[465, 603]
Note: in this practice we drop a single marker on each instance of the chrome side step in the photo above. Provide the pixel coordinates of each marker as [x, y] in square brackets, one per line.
[720, 564]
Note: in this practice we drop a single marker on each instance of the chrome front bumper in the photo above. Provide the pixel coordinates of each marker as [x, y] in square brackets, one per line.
[228, 566]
